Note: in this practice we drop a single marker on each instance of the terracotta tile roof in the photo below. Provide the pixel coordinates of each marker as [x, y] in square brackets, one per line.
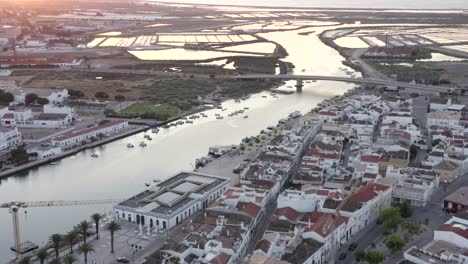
[249, 208]
[459, 230]
[221, 258]
[288, 212]
[370, 158]
[8, 116]
[327, 113]
[368, 192]
[263, 245]
[323, 225]
[370, 175]
[460, 196]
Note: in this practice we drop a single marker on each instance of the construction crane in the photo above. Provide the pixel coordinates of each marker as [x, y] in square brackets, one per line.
[14, 208]
[330, 225]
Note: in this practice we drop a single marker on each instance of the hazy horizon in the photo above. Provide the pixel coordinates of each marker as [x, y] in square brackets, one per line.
[397, 4]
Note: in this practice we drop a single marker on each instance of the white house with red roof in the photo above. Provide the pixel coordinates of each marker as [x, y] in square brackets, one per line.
[400, 118]
[330, 115]
[77, 137]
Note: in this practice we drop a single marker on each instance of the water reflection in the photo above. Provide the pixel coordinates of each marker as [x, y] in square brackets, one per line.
[120, 172]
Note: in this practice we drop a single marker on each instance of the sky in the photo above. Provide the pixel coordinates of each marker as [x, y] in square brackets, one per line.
[413, 4]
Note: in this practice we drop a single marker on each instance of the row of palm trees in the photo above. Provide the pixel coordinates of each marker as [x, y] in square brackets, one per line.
[71, 238]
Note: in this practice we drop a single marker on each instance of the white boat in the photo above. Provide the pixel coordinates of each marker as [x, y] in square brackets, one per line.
[129, 145]
[94, 155]
[147, 184]
[142, 144]
[219, 117]
[54, 163]
[246, 117]
[189, 122]
[156, 180]
[155, 130]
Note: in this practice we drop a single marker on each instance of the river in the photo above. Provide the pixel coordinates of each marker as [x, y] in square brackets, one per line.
[387, 4]
[120, 172]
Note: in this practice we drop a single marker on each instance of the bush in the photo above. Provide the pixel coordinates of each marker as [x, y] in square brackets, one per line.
[406, 211]
[30, 98]
[101, 95]
[119, 97]
[6, 97]
[42, 101]
[374, 256]
[395, 243]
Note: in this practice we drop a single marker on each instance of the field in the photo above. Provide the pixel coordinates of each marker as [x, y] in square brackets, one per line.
[149, 110]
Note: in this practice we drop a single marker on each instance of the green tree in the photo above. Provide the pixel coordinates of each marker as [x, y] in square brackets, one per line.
[412, 227]
[426, 221]
[113, 227]
[119, 97]
[374, 256]
[71, 237]
[257, 140]
[101, 95]
[19, 155]
[55, 261]
[42, 101]
[6, 97]
[360, 255]
[30, 98]
[391, 218]
[97, 218]
[25, 260]
[55, 239]
[395, 243]
[242, 147]
[406, 211]
[42, 255]
[86, 248]
[83, 227]
[69, 259]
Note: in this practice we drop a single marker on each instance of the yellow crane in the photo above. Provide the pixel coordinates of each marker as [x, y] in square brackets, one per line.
[14, 208]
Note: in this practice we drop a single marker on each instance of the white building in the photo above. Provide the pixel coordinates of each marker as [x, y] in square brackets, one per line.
[400, 118]
[168, 203]
[449, 119]
[80, 136]
[9, 138]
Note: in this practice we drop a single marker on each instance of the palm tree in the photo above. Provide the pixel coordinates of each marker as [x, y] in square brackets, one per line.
[71, 237]
[97, 218]
[55, 261]
[42, 254]
[25, 260]
[85, 249]
[69, 259]
[113, 227]
[56, 239]
[83, 227]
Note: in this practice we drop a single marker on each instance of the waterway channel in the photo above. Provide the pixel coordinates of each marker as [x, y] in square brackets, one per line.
[120, 172]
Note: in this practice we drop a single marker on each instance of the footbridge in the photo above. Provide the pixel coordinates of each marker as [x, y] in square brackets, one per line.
[300, 78]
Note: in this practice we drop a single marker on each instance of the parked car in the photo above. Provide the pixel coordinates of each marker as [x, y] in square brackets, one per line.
[379, 221]
[352, 246]
[342, 256]
[123, 260]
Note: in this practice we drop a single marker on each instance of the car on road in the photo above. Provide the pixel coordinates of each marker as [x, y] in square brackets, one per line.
[342, 256]
[123, 260]
[379, 221]
[352, 246]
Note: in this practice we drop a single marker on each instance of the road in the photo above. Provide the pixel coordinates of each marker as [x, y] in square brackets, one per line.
[283, 77]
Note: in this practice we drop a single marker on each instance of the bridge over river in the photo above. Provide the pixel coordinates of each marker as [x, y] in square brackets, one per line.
[300, 78]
